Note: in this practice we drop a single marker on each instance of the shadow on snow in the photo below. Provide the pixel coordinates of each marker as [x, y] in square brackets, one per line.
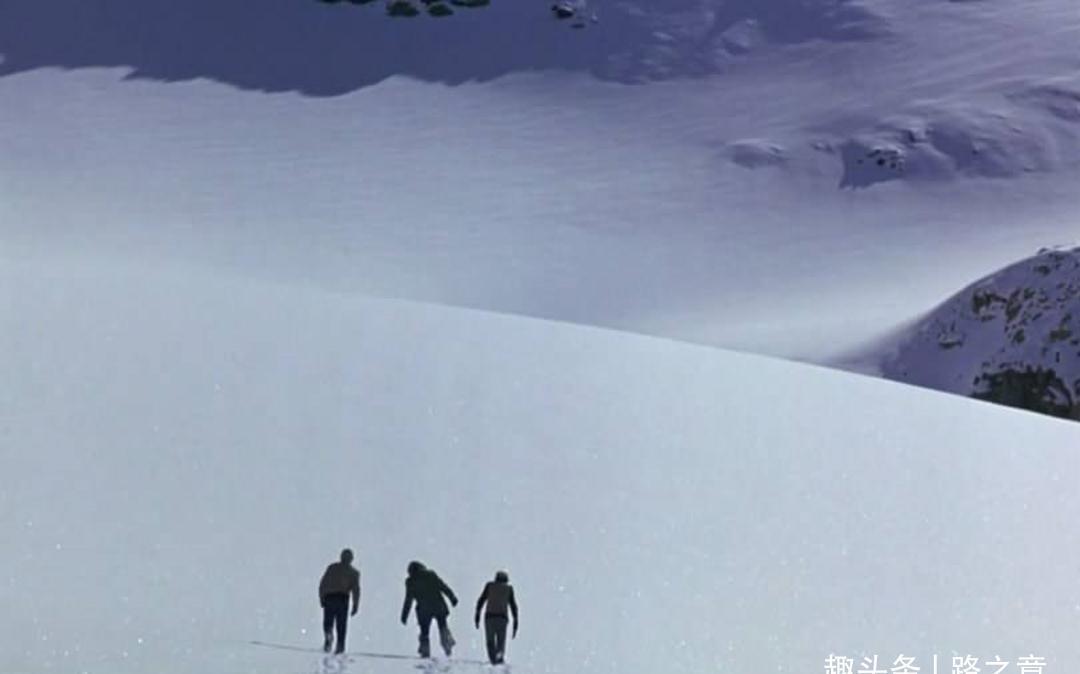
[321, 49]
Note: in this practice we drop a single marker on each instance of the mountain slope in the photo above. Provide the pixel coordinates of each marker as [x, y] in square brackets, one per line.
[184, 452]
[1018, 320]
[693, 169]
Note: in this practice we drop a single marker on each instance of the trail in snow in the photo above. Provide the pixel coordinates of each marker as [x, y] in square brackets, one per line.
[365, 654]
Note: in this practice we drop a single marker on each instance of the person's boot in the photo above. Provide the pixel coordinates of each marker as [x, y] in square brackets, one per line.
[447, 642]
[425, 648]
[326, 642]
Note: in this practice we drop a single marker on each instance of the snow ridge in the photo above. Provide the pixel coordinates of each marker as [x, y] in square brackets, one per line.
[1012, 337]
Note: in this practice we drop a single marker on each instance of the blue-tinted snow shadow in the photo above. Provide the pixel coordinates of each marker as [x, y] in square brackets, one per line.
[324, 49]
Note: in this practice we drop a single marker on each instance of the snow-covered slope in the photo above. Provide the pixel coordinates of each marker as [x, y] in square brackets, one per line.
[201, 402]
[699, 169]
[182, 453]
[1019, 319]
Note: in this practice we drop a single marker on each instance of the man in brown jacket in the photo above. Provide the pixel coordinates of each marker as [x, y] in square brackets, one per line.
[339, 582]
[498, 595]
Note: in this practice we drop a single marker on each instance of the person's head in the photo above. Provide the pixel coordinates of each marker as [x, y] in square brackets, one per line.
[347, 556]
[415, 568]
[502, 577]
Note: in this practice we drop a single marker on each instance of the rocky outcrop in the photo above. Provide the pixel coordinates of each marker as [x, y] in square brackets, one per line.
[1012, 337]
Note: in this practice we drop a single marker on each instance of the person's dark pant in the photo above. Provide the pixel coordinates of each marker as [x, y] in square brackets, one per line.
[495, 630]
[336, 618]
[445, 638]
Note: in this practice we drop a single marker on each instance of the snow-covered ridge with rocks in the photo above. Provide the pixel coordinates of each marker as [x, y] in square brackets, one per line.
[1029, 127]
[1011, 334]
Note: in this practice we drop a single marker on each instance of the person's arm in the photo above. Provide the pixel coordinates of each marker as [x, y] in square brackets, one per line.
[322, 588]
[445, 589]
[408, 604]
[356, 593]
[514, 611]
[480, 605]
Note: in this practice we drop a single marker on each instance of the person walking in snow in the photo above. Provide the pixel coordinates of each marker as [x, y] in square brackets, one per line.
[339, 582]
[498, 595]
[424, 587]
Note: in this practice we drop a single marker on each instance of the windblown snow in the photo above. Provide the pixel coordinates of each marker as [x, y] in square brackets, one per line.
[183, 454]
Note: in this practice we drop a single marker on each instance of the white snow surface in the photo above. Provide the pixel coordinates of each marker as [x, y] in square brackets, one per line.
[184, 452]
[705, 170]
[231, 242]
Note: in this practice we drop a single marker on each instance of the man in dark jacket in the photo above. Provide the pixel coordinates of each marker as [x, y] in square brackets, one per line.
[498, 595]
[339, 582]
[424, 587]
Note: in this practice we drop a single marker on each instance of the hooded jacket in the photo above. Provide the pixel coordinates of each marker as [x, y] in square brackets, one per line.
[426, 589]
